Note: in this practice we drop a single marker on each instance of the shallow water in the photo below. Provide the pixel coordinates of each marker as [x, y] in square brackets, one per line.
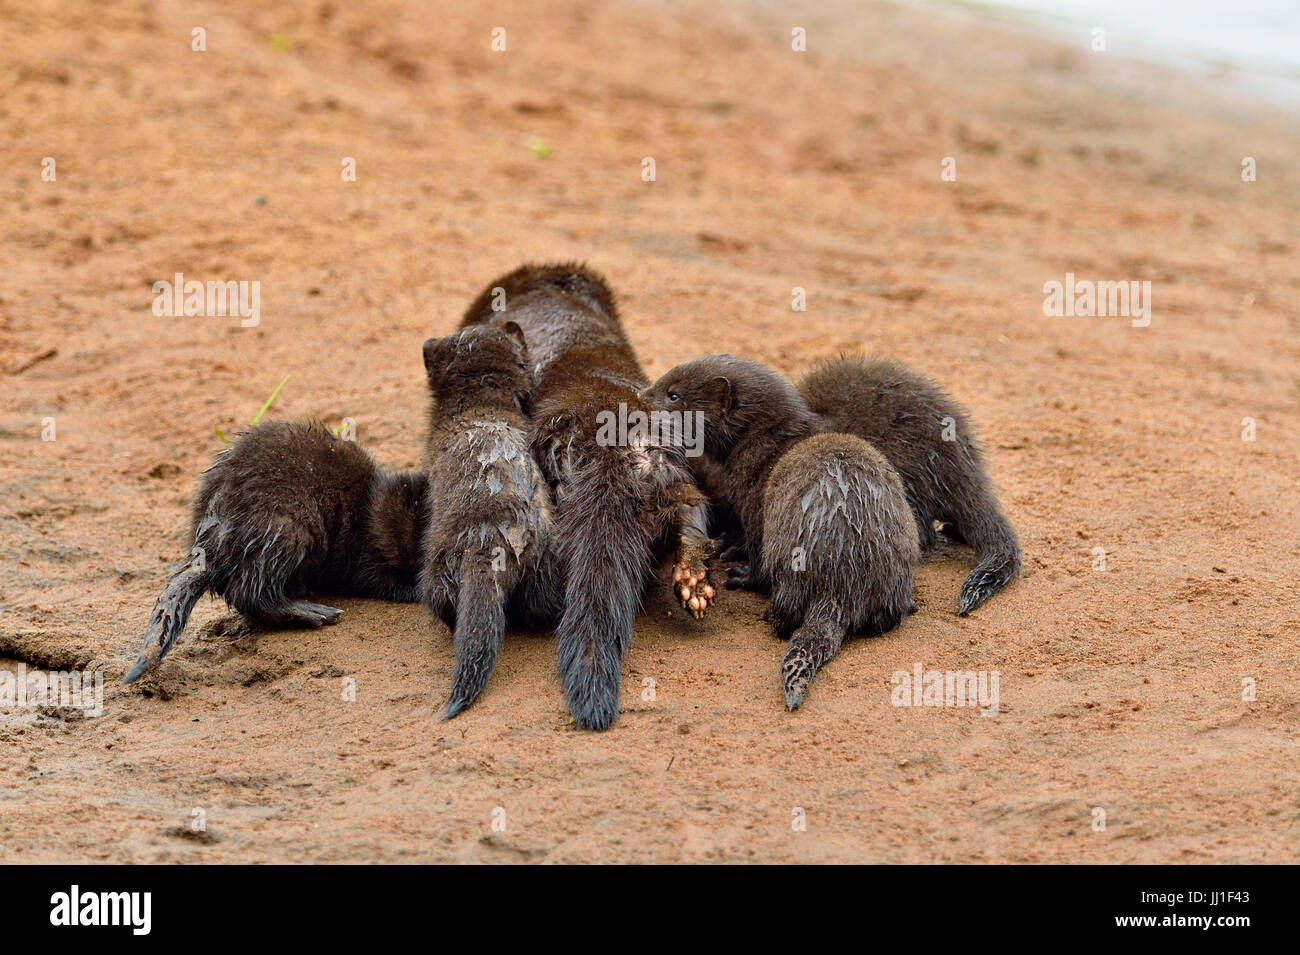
[1261, 35]
[1260, 39]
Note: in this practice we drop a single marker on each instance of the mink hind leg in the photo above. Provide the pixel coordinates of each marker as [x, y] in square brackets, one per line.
[884, 619]
[268, 589]
[290, 613]
[272, 602]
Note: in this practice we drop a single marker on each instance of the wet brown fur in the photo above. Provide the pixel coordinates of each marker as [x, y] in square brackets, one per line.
[290, 509]
[486, 551]
[906, 415]
[824, 515]
[616, 504]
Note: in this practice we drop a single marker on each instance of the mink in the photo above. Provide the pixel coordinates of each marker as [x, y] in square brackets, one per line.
[824, 515]
[487, 555]
[618, 502]
[927, 437]
[288, 510]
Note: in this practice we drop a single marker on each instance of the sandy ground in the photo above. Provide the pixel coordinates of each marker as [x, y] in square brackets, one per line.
[1120, 689]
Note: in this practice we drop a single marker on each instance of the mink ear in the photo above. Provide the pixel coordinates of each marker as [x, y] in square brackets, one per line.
[435, 354]
[517, 334]
[718, 389]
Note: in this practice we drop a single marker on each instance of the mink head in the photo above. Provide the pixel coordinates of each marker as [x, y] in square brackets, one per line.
[701, 385]
[729, 394]
[706, 389]
[483, 365]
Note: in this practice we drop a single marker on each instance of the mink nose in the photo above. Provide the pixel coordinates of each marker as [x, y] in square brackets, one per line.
[428, 348]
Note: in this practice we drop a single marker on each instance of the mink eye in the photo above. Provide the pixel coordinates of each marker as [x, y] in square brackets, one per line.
[673, 397]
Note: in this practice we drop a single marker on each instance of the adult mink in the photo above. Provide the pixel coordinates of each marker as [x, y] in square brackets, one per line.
[927, 437]
[617, 502]
[290, 509]
[486, 547]
[824, 516]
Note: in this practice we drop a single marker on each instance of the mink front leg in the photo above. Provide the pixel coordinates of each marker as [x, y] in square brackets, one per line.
[691, 583]
[732, 549]
[748, 577]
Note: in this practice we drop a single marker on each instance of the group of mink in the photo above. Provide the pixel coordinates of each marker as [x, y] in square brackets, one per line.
[524, 514]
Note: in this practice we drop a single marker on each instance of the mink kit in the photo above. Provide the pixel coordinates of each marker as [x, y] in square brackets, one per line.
[487, 548]
[289, 510]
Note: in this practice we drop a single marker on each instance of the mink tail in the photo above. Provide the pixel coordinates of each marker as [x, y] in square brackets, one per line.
[816, 641]
[997, 554]
[480, 625]
[172, 610]
[607, 552]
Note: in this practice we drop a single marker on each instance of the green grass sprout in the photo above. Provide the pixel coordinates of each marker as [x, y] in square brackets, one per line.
[257, 417]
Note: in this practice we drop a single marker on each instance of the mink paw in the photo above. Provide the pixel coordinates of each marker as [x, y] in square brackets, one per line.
[744, 577]
[730, 549]
[314, 615]
[692, 587]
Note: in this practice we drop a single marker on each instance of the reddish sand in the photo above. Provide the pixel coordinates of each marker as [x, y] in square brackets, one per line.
[1119, 689]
